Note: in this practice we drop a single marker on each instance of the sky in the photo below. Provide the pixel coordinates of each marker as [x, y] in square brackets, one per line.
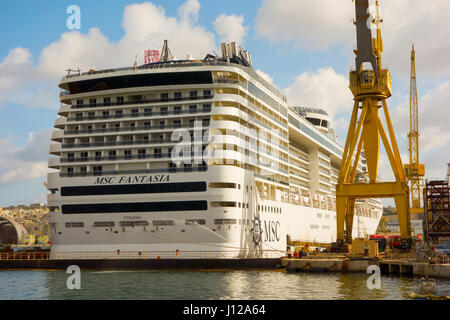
[305, 48]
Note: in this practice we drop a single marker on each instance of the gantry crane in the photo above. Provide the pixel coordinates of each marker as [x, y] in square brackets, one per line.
[371, 86]
[414, 170]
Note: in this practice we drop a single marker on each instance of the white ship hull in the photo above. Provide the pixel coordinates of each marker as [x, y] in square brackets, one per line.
[211, 240]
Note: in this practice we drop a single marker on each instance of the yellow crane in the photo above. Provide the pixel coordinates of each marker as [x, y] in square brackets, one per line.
[371, 86]
[414, 170]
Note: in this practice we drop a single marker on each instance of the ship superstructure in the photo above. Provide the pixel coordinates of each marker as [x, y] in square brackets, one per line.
[191, 158]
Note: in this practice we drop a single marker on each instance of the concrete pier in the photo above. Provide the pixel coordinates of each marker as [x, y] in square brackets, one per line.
[387, 266]
[324, 265]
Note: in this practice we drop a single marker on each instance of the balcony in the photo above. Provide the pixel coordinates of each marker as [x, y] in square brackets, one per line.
[142, 114]
[125, 103]
[53, 163]
[64, 110]
[60, 123]
[55, 149]
[164, 156]
[102, 173]
[57, 135]
[139, 128]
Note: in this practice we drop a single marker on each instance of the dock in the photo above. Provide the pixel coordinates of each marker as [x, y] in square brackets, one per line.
[387, 266]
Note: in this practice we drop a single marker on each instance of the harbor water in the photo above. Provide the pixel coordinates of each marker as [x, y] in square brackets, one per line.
[203, 285]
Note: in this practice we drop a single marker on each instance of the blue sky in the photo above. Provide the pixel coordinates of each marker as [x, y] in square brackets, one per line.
[304, 46]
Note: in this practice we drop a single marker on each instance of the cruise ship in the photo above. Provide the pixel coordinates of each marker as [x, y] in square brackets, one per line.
[191, 159]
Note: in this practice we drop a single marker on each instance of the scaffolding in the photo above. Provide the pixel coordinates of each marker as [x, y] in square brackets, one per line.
[437, 209]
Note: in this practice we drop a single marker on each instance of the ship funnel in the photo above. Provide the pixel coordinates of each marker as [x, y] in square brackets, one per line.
[166, 55]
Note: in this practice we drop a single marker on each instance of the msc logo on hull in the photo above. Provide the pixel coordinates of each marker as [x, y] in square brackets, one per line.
[271, 231]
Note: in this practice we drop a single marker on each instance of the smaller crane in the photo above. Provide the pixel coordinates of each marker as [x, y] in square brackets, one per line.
[414, 170]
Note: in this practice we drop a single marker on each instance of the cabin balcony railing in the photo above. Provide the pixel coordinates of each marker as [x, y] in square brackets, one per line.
[144, 171]
[141, 114]
[124, 157]
[124, 103]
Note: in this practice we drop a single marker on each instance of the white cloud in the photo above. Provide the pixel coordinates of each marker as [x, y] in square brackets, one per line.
[313, 24]
[324, 89]
[25, 163]
[146, 26]
[230, 28]
[320, 24]
[15, 68]
[189, 11]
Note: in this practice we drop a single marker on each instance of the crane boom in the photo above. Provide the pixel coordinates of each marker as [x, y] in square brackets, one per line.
[414, 170]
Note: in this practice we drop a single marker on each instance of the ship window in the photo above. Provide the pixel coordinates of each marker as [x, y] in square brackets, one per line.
[193, 94]
[314, 121]
[228, 204]
[164, 97]
[222, 185]
[177, 109]
[147, 111]
[195, 221]
[134, 112]
[205, 122]
[104, 224]
[159, 79]
[74, 225]
[79, 102]
[92, 102]
[135, 188]
[206, 93]
[133, 223]
[83, 169]
[193, 108]
[70, 169]
[325, 123]
[141, 153]
[163, 222]
[177, 96]
[239, 204]
[107, 101]
[164, 110]
[97, 168]
[225, 221]
[119, 100]
[127, 154]
[207, 107]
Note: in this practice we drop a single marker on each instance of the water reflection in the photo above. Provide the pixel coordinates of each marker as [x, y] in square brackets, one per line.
[254, 285]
